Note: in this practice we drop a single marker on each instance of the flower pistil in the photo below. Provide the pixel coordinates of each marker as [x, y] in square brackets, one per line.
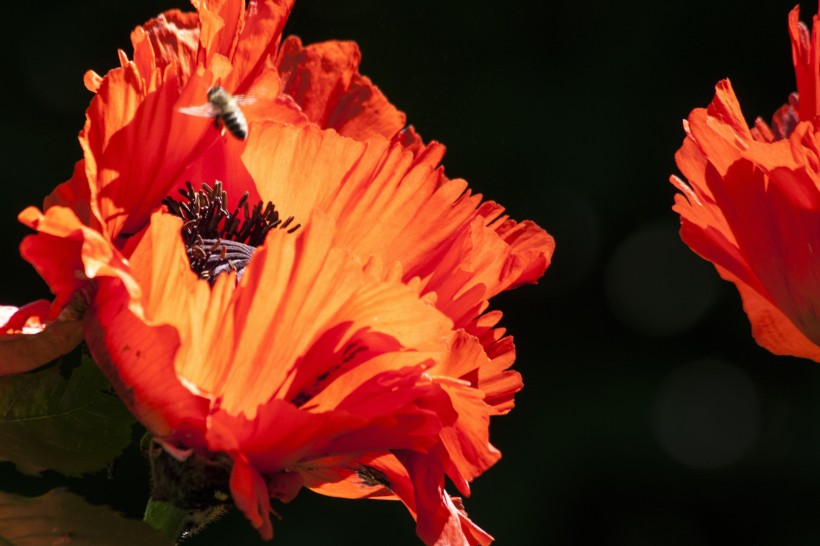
[218, 241]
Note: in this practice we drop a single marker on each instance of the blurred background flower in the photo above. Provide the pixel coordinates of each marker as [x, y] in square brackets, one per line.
[650, 415]
[751, 203]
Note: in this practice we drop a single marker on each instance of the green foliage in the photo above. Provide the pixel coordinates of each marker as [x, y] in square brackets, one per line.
[62, 418]
[59, 517]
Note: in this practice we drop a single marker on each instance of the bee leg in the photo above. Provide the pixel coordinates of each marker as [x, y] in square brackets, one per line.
[220, 126]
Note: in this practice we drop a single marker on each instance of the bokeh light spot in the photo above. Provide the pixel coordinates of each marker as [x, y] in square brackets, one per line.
[657, 286]
[707, 414]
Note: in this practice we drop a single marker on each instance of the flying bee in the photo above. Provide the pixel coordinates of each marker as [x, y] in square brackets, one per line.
[224, 108]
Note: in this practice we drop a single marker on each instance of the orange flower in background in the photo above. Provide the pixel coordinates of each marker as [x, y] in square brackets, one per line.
[752, 202]
[339, 340]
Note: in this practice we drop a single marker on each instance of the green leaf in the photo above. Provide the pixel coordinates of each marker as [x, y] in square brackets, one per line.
[62, 518]
[62, 418]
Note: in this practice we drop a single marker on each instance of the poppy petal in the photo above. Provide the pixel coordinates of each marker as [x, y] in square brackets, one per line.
[467, 440]
[751, 207]
[349, 477]
[770, 327]
[258, 40]
[251, 496]
[170, 39]
[310, 288]
[63, 244]
[414, 479]
[439, 521]
[139, 338]
[804, 55]
[498, 383]
[28, 339]
[324, 81]
[382, 198]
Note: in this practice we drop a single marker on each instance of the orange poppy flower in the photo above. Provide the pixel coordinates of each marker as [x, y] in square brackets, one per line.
[342, 345]
[752, 204]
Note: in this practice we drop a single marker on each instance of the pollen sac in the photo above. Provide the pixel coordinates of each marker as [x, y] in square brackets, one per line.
[218, 241]
[372, 477]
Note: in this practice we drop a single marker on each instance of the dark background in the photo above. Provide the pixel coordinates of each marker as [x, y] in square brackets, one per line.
[649, 415]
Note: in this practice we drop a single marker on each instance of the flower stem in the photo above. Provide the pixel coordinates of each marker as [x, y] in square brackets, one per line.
[164, 516]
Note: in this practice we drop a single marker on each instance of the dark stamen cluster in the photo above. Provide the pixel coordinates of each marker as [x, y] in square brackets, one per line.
[372, 477]
[218, 241]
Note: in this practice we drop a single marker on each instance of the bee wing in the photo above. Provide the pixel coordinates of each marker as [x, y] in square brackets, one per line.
[206, 110]
[244, 100]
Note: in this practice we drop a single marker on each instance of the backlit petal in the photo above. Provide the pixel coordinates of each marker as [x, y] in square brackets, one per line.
[751, 204]
[28, 339]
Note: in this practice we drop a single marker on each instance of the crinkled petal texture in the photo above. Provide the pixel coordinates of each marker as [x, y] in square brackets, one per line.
[177, 58]
[356, 355]
[752, 207]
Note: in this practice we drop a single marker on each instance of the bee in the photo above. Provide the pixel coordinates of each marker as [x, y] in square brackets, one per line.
[224, 108]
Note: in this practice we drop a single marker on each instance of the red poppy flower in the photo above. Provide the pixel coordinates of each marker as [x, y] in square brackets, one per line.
[752, 204]
[343, 345]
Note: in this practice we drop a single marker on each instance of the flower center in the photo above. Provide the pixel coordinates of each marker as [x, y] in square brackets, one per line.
[218, 241]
